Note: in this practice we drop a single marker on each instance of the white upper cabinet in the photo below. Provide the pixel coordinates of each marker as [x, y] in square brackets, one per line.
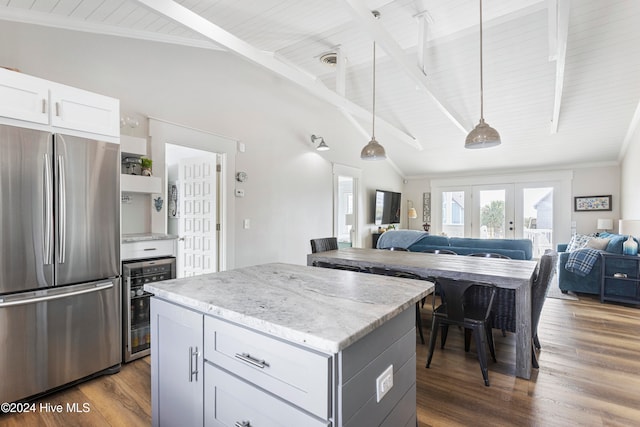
[24, 97]
[77, 109]
[39, 101]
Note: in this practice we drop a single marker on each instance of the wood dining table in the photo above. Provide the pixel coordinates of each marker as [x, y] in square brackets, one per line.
[503, 273]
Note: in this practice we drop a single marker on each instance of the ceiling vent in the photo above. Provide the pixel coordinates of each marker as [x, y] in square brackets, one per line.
[330, 59]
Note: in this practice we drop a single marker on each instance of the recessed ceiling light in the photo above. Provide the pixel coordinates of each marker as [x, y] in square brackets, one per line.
[329, 59]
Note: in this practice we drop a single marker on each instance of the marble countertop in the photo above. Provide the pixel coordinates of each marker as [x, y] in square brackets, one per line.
[321, 308]
[141, 237]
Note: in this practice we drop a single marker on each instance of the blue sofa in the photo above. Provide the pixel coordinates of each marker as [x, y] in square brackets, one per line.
[417, 241]
[590, 284]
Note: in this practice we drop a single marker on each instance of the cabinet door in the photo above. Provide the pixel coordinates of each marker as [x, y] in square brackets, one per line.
[23, 97]
[177, 369]
[77, 109]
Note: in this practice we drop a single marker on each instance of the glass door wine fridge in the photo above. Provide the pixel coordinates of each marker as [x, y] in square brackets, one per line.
[136, 316]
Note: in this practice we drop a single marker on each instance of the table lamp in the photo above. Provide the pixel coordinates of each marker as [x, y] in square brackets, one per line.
[605, 224]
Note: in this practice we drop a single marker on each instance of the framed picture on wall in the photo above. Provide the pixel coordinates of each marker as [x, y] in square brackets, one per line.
[592, 203]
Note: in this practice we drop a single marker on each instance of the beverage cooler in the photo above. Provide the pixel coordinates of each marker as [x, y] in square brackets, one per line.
[136, 302]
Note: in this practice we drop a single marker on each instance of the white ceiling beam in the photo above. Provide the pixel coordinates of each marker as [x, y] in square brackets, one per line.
[633, 127]
[56, 21]
[562, 33]
[341, 72]
[552, 28]
[371, 25]
[197, 23]
[424, 20]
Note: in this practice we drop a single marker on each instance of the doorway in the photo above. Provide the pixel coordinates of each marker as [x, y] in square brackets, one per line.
[528, 206]
[493, 212]
[345, 216]
[346, 205]
[193, 208]
[202, 143]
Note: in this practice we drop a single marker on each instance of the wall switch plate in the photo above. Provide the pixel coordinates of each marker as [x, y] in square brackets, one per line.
[246, 224]
[384, 383]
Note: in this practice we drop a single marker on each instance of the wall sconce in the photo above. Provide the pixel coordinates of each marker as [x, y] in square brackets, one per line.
[411, 213]
[322, 146]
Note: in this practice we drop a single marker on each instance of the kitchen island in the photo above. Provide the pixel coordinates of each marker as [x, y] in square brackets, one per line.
[280, 344]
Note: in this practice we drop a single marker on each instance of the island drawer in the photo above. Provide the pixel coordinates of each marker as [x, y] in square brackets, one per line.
[298, 375]
[231, 401]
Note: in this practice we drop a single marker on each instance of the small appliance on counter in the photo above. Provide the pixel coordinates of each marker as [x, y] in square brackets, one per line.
[131, 165]
[136, 317]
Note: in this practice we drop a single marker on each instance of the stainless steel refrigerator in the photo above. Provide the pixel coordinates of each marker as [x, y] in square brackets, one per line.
[60, 293]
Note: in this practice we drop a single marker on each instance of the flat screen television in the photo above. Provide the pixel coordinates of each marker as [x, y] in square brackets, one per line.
[386, 209]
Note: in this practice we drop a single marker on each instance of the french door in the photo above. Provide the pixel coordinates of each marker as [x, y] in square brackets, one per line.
[500, 211]
[494, 215]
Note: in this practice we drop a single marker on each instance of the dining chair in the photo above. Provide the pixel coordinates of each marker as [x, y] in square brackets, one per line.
[324, 244]
[545, 272]
[440, 251]
[436, 290]
[404, 275]
[456, 310]
[489, 255]
[504, 305]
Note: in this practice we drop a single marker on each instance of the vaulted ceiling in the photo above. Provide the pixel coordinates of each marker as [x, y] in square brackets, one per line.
[561, 78]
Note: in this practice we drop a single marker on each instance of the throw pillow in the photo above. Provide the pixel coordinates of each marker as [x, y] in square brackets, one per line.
[598, 243]
[578, 241]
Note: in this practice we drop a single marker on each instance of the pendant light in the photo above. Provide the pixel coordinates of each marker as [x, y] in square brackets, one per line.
[373, 150]
[483, 135]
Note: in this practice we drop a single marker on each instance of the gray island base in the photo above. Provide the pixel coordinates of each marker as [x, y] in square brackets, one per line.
[284, 345]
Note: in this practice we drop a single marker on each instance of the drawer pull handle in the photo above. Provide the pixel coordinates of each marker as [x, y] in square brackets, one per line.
[246, 357]
[149, 249]
[242, 424]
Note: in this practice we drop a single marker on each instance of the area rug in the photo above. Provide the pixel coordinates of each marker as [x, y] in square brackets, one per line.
[555, 292]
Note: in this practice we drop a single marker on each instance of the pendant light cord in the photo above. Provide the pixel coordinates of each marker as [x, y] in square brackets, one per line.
[373, 126]
[481, 86]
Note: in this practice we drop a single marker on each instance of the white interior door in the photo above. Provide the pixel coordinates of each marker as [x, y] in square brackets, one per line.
[197, 222]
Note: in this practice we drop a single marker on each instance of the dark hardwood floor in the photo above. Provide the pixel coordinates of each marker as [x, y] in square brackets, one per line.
[589, 376]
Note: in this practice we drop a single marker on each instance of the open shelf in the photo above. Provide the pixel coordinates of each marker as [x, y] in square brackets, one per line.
[140, 184]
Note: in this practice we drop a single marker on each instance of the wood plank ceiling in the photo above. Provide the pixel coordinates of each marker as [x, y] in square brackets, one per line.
[576, 62]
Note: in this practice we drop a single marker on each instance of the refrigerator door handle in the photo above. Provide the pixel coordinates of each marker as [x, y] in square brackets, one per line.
[94, 287]
[48, 211]
[62, 198]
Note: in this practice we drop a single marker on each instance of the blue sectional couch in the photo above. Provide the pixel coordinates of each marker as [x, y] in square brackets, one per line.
[590, 284]
[417, 241]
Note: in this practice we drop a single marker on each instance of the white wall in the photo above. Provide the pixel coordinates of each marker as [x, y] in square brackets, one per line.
[596, 181]
[629, 194]
[289, 190]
